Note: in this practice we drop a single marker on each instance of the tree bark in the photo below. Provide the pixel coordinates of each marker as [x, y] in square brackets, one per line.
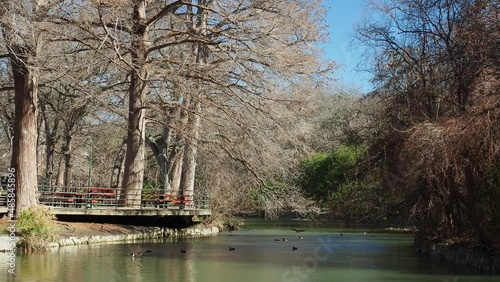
[49, 160]
[164, 150]
[176, 170]
[60, 174]
[177, 167]
[24, 149]
[68, 162]
[22, 40]
[117, 173]
[191, 147]
[190, 151]
[50, 143]
[134, 160]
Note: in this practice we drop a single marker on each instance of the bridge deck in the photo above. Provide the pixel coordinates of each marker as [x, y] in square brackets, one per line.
[123, 211]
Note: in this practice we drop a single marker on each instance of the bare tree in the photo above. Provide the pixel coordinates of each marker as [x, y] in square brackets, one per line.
[192, 63]
[237, 45]
[18, 22]
[435, 62]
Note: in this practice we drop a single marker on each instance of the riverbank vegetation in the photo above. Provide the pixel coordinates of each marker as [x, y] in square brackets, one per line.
[436, 65]
[36, 229]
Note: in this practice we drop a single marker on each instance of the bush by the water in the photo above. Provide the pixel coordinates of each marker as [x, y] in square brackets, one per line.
[36, 228]
[345, 184]
[326, 175]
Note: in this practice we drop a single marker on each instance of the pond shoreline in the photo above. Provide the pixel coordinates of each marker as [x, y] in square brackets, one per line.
[80, 233]
[476, 258]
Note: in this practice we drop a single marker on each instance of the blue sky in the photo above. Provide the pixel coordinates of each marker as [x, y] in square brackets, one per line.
[341, 18]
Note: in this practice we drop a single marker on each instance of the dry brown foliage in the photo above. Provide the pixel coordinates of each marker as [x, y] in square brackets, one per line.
[449, 161]
[437, 61]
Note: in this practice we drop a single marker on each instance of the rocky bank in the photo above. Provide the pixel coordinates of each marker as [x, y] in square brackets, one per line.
[77, 233]
[475, 258]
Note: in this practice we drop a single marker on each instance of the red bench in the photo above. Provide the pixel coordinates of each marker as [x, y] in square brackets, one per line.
[159, 199]
[180, 199]
[102, 195]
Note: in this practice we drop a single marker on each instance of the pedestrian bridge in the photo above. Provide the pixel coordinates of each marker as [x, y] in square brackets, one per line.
[100, 204]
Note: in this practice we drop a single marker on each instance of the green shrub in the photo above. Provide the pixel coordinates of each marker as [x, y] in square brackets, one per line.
[150, 187]
[325, 175]
[36, 228]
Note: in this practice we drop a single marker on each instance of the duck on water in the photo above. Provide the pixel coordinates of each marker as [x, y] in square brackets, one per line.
[140, 254]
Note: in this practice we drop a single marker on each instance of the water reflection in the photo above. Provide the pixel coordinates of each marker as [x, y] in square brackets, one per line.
[322, 255]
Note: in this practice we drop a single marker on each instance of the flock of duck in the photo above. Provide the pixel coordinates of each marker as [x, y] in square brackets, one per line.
[286, 239]
[183, 251]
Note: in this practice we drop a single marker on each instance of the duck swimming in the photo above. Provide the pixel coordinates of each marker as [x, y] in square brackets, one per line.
[140, 254]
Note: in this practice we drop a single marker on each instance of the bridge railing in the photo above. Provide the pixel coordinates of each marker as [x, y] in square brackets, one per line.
[99, 197]
[3, 195]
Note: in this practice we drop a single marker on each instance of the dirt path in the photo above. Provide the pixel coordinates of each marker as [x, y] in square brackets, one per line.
[78, 229]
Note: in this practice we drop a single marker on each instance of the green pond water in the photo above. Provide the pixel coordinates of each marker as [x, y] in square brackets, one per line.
[322, 255]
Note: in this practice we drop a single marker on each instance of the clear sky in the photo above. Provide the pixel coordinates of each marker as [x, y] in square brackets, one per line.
[341, 18]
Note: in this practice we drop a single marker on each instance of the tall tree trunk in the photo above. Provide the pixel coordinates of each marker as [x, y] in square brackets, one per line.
[8, 128]
[40, 154]
[67, 162]
[134, 160]
[117, 173]
[50, 143]
[190, 151]
[163, 160]
[24, 151]
[49, 161]
[175, 171]
[165, 151]
[60, 174]
[23, 43]
[120, 174]
[200, 52]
